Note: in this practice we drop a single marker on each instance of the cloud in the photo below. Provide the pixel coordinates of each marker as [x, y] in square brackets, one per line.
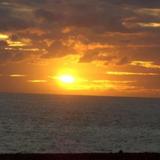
[132, 74]
[95, 56]
[3, 37]
[105, 56]
[58, 49]
[149, 11]
[11, 21]
[13, 56]
[149, 25]
[145, 64]
[17, 75]
[142, 3]
[37, 81]
[112, 31]
[16, 50]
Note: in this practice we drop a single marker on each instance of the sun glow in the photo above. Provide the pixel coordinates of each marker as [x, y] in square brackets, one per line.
[66, 79]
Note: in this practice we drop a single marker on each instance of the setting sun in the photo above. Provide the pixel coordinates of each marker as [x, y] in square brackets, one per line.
[67, 79]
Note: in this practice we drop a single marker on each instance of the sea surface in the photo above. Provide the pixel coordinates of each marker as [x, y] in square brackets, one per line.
[73, 124]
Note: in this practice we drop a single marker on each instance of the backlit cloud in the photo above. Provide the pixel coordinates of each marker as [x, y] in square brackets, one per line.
[16, 75]
[145, 64]
[37, 81]
[132, 74]
[53, 33]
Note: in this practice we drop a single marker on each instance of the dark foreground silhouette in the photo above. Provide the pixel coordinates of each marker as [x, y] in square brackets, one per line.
[82, 156]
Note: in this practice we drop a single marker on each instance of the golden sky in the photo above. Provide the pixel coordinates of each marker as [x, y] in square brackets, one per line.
[84, 47]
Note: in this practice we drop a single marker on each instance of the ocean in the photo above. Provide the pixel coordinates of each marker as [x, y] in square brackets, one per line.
[32, 123]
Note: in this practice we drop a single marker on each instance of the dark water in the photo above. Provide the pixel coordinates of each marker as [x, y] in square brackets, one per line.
[49, 123]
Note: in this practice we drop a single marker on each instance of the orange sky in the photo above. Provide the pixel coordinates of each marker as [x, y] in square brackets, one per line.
[111, 48]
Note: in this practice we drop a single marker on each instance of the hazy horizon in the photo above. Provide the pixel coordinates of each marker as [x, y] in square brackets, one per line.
[87, 95]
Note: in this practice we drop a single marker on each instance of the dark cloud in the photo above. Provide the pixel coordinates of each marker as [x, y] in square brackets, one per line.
[10, 21]
[48, 16]
[93, 55]
[112, 22]
[94, 16]
[57, 49]
[3, 44]
[141, 3]
[13, 56]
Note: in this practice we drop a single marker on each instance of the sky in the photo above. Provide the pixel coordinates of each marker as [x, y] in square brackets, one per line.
[105, 47]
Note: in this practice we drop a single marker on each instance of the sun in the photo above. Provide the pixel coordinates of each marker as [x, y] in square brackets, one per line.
[66, 79]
